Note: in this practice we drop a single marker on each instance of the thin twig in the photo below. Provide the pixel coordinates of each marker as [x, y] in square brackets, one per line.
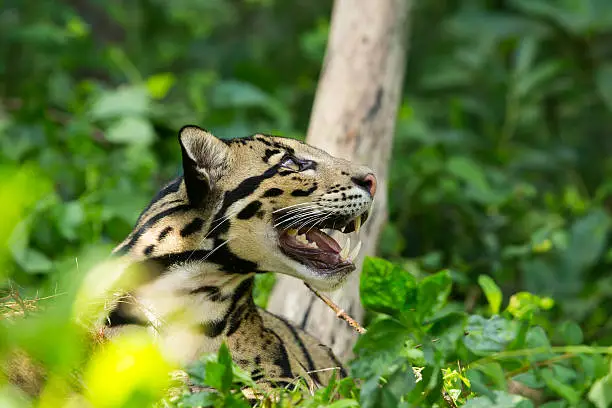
[339, 312]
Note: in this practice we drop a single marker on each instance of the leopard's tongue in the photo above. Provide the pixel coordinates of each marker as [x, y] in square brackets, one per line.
[323, 241]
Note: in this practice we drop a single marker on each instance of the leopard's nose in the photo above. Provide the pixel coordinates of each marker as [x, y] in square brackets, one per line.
[367, 182]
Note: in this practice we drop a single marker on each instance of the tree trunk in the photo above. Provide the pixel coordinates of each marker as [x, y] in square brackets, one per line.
[354, 118]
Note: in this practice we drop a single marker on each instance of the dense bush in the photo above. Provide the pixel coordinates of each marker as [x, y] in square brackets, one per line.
[502, 172]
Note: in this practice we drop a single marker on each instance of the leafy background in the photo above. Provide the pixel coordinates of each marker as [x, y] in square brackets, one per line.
[501, 176]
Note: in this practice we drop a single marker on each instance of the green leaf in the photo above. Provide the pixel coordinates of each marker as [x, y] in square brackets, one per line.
[579, 17]
[34, 261]
[120, 102]
[158, 85]
[530, 379]
[537, 338]
[600, 393]
[555, 404]
[379, 347]
[557, 386]
[478, 384]
[488, 336]
[474, 176]
[570, 333]
[71, 217]
[200, 399]
[345, 403]
[538, 76]
[492, 292]
[401, 380]
[433, 292]
[372, 395]
[237, 94]
[587, 240]
[525, 55]
[500, 399]
[225, 360]
[131, 130]
[387, 288]
[496, 373]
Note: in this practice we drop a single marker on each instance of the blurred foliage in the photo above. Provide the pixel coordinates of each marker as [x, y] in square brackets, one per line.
[501, 174]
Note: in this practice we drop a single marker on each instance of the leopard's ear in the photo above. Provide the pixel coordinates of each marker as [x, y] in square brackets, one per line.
[205, 159]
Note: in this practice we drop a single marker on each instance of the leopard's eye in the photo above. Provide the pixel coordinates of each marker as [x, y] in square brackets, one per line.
[297, 165]
[291, 163]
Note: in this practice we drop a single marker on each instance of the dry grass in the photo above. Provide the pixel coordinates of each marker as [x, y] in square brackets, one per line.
[13, 305]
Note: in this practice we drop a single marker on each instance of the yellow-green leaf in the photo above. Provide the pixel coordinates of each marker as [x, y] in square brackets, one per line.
[492, 292]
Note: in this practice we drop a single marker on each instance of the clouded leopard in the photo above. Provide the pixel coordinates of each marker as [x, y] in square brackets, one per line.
[243, 206]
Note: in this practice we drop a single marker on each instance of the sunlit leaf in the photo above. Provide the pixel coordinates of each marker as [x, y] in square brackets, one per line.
[600, 393]
[158, 85]
[128, 371]
[492, 292]
[523, 305]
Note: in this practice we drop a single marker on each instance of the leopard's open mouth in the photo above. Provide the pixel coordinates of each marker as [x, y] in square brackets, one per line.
[314, 248]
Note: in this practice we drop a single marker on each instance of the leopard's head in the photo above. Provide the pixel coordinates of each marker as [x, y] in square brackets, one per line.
[260, 204]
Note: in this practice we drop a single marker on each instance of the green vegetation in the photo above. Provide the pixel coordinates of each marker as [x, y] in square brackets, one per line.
[501, 178]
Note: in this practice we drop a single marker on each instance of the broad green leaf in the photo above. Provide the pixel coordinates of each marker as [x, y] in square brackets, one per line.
[201, 399]
[603, 79]
[379, 347]
[123, 101]
[579, 17]
[537, 339]
[560, 388]
[70, 218]
[501, 399]
[536, 77]
[570, 333]
[34, 261]
[555, 404]
[401, 381]
[486, 336]
[474, 176]
[492, 292]
[530, 379]
[587, 240]
[387, 288]
[237, 94]
[495, 372]
[478, 384]
[467, 170]
[600, 393]
[131, 130]
[372, 395]
[345, 403]
[433, 292]
[493, 26]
